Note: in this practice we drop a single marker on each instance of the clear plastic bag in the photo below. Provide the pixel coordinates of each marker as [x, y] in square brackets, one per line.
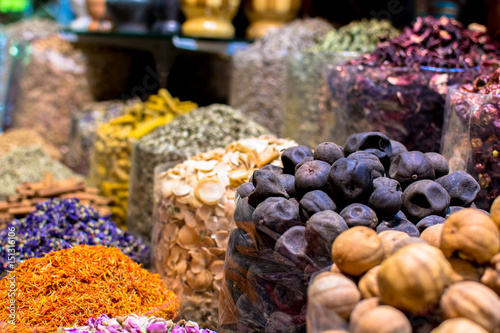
[308, 119]
[471, 140]
[406, 104]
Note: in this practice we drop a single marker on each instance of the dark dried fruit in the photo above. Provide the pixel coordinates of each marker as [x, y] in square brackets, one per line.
[372, 142]
[350, 181]
[359, 215]
[276, 214]
[311, 176]
[321, 231]
[385, 201]
[292, 156]
[245, 189]
[314, 202]
[424, 198]
[267, 185]
[280, 322]
[439, 163]
[397, 148]
[243, 212]
[328, 152]
[288, 182]
[410, 167]
[304, 160]
[398, 224]
[453, 209]
[387, 182]
[292, 245]
[370, 160]
[461, 187]
[429, 221]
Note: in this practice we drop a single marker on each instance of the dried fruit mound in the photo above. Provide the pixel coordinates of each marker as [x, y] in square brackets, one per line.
[67, 287]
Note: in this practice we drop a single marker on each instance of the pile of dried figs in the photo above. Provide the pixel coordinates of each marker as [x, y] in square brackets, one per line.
[287, 219]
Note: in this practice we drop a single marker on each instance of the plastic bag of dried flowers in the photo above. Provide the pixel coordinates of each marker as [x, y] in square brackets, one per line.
[194, 205]
[400, 88]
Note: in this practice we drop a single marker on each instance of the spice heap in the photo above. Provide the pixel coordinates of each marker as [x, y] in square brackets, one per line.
[27, 29]
[399, 89]
[472, 133]
[194, 204]
[448, 280]
[60, 224]
[25, 137]
[288, 218]
[84, 125]
[67, 287]
[55, 66]
[259, 72]
[308, 119]
[112, 152]
[31, 194]
[204, 129]
[134, 324]
[28, 164]
[436, 42]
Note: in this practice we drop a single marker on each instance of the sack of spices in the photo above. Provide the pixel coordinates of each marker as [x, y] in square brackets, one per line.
[80, 283]
[194, 204]
[54, 81]
[471, 140]
[258, 86]
[111, 159]
[399, 89]
[308, 118]
[202, 130]
[84, 125]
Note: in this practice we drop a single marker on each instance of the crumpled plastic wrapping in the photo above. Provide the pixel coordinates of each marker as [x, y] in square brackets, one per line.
[406, 104]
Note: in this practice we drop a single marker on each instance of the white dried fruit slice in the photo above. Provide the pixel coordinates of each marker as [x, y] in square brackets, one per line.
[217, 269]
[197, 262]
[210, 191]
[188, 238]
[182, 190]
[205, 165]
[221, 238]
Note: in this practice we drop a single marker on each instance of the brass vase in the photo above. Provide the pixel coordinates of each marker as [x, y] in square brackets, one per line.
[98, 13]
[209, 18]
[267, 15]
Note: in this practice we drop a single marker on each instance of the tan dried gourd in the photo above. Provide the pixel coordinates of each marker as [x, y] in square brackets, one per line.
[491, 276]
[459, 325]
[383, 319]
[357, 250]
[335, 292]
[405, 242]
[413, 278]
[463, 270]
[495, 212]
[368, 284]
[471, 235]
[389, 238]
[432, 235]
[361, 308]
[474, 301]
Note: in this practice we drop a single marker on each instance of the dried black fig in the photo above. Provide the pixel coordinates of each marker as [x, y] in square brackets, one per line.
[357, 214]
[328, 152]
[349, 181]
[398, 224]
[440, 164]
[277, 215]
[387, 182]
[292, 245]
[314, 202]
[304, 160]
[245, 189]
[288, 182]
[453, 209]
[410, 167]
[243, 212]
[397, 148]
[292, 156]
[461, 187]
[372, 142]
[321, 231]
[311, 176]
[370, 160]
[429, 221]
[267, 184]
[424, 198]
[276, 169]
[385, 201]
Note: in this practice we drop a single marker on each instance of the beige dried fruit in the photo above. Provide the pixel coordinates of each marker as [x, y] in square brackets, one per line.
[463, 270]
[188, 238]
[383, 319]
[360, 309]
[474, 301]
[459, 325]
[389, 238]
[200, 281]
[368, 284]
[432, 235]
[210, 191]
[491, 276]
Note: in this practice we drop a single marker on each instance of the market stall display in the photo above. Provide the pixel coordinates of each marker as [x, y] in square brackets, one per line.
[202, 130]
[308, 118]
[258, 85]
[84, 125]
[194, 204]
[14, 138]
[134, 323]
[471, 133]
[111, 161]
[54, 66]
[418, 286]
[206, 18]
[29, 195]
[399, 89]
[266, 16]
[287, 219]
[28, 164]
[80, 283]
[61, 224]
